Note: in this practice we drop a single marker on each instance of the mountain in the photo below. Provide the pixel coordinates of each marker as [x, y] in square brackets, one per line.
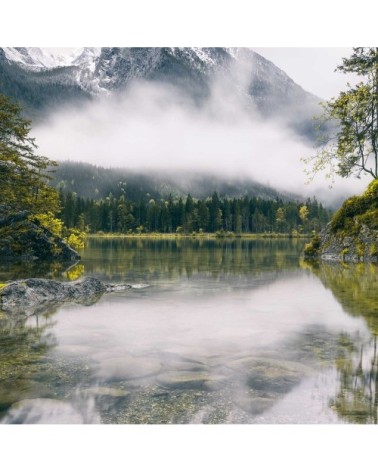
[35, 58]
[90, 181]
[40, 80]
[37, 88]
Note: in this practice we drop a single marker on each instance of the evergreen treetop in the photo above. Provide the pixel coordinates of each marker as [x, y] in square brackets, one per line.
[24, 178]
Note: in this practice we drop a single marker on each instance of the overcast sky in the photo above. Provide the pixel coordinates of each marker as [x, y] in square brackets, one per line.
[312, 68]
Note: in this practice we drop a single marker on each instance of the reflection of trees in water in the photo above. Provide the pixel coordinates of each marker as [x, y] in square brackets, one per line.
[183, 257]
[29, 269]
[172, 258]
[357, 398]
[23, 344]
[355, 287]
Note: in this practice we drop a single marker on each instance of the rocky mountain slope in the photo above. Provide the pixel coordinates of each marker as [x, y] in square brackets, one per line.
[40, 80]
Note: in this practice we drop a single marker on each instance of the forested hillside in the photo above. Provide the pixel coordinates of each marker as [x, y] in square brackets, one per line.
[95, 182]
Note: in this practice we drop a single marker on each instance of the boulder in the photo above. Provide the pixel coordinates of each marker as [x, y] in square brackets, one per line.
[33, 292]
[361, 247]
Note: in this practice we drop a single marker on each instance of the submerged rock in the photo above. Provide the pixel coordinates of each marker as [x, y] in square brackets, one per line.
[192, 380]
[33, 292]
[266, 375]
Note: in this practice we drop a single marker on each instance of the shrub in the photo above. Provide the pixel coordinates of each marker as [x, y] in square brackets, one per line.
[312, 248]
[76, 239]
[357, 210]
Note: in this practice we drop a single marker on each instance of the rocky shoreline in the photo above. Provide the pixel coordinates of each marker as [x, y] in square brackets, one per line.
[352, 234]
[29, 293]
[344, 247]
[362, 247]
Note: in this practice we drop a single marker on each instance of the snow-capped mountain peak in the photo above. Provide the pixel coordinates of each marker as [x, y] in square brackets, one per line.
[35, 58]
[86, 56]
[238, 74]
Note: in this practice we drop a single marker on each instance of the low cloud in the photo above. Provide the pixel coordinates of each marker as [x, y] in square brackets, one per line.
[156, 127]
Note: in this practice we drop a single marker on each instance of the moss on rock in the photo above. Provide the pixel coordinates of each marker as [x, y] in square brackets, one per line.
[352, 234]
[25, 239]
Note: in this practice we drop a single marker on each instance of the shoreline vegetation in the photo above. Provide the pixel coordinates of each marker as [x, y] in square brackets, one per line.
[352, 234]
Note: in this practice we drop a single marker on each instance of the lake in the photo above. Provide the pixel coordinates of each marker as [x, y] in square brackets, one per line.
[213, 331]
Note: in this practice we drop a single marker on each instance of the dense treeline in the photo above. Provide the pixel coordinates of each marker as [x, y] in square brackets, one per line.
[238, 215]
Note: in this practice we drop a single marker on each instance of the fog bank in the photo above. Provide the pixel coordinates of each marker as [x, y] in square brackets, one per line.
[157, 127]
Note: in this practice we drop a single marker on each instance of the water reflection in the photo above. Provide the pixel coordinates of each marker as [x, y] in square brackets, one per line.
[357, 399]
[29, 269]
[24, 343]
[227, 332]
[355, 287]
[150, 259]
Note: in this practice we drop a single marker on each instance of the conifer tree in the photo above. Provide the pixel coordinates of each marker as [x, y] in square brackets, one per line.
[24, 174]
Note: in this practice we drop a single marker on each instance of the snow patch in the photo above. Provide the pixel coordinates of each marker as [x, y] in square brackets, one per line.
[35, 58]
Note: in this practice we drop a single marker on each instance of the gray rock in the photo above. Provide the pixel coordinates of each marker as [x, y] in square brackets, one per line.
[268, 375]
[182, 380]
[360, 248]
[34, 292]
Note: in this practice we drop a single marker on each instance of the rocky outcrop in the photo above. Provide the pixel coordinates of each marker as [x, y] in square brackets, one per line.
[352, 234]
[344, 246]
[23, 239]
[34, 292]
[362, 247]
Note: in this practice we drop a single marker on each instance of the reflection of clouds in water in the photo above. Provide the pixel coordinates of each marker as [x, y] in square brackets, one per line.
[204, 324]
[202, 349]
[227, 347]
[307, 403]
[48, 411]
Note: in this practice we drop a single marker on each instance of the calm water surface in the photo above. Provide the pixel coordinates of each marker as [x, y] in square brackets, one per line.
[232, 331]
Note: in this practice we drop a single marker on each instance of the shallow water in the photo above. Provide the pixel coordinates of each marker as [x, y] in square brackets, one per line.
[237, 331]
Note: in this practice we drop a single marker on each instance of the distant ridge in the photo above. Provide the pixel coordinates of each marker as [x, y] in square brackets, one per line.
[90, 181]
